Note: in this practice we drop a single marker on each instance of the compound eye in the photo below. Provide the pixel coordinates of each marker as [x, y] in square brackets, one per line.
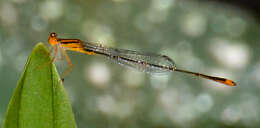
[53, 34]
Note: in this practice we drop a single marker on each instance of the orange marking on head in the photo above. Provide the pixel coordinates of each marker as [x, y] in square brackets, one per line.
[53, 38]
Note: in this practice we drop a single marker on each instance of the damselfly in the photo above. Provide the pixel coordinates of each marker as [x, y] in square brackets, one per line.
[147, 62]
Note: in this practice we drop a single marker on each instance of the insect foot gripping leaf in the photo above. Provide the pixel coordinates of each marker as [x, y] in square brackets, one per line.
[39, 100]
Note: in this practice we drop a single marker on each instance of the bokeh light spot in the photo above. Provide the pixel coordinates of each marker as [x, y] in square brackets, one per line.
[234, 55]
[98, 74]
[193, 24]
[99, 33]
[51, 10]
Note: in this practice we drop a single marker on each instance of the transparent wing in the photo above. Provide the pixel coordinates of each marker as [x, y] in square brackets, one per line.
[146, 62]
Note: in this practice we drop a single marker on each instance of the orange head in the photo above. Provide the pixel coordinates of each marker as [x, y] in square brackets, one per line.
[53, 38]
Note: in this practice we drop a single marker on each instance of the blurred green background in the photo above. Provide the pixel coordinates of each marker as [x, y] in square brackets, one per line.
[204, 37]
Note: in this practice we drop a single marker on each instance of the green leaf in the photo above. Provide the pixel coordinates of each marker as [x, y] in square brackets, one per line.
[39, 100]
